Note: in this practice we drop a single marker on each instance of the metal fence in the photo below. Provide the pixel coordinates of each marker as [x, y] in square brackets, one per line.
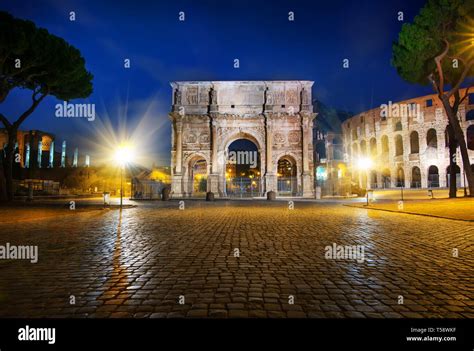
[243, 187]
[287, 186]
[433, 181]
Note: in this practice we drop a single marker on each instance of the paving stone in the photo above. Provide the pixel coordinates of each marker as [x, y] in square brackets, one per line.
[162, 253]
[218, 313]
[197, 313]
[238, 314]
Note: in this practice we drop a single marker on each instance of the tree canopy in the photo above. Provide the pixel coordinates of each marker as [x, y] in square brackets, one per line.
[441, 25]
[32, 58]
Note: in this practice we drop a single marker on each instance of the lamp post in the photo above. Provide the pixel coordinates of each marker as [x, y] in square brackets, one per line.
[123, 156]
[121, 186]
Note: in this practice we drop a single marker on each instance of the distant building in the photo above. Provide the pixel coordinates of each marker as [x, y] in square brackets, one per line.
[149, 184]
[406, 143]
[330, 166]
[32, 145]
[40, 161]
[38, 149]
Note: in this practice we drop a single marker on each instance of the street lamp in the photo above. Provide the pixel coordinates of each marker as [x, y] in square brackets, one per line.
[123, 156]
[364, 163]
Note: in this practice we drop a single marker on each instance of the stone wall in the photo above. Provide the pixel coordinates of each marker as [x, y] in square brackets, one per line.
[372, 129]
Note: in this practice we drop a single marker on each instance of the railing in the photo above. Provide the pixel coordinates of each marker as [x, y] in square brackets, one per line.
[243, 187]
[433, 181]
[287, 186]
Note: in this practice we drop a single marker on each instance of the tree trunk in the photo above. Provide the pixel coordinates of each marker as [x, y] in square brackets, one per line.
[3, 185]
[458, 133]
[8, 164]
[452, 162]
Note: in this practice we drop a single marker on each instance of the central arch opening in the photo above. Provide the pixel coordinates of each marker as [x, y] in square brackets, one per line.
[243, 169]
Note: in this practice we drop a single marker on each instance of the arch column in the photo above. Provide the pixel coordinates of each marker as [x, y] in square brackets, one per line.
[177, 176]
[179, 147]
[213, 178]
[270, 176]
[407, 175]
[379, 179]
[306, 178]
[442, 177]
[393, 177]
[424, 177]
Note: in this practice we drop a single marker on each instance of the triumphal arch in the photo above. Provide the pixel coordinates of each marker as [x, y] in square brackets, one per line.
[275, 116]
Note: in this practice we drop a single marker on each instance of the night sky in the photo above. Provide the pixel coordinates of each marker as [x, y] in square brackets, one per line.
[163, 49]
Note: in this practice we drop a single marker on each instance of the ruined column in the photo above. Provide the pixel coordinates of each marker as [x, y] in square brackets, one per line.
[51, 155]
[76, 156]
[63, 155]
[27, 156]
[40, 153]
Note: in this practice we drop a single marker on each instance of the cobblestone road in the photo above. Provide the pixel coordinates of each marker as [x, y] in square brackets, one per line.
[139, 263]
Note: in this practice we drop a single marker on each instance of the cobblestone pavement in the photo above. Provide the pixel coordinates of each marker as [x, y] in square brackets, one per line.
[461, 208]
[139, 263]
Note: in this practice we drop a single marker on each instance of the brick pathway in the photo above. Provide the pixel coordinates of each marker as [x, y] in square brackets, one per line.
[140, 263]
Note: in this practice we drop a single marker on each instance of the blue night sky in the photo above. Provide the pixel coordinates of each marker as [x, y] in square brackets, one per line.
[203, 47]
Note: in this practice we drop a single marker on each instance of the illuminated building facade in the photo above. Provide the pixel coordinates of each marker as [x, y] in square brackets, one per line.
[406, 144]
[276, 116]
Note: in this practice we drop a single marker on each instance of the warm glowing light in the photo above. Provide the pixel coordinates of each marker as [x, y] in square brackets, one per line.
[124, 154]
[364, 163]
[341, 170]
[465, 40]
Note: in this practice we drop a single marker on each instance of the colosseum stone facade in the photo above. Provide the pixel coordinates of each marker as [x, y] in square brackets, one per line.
[407, 147]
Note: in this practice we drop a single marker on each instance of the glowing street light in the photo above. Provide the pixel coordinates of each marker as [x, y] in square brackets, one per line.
[123, 156]
[364, 163]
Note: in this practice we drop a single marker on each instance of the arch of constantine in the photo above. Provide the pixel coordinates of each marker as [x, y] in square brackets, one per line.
[208, 116]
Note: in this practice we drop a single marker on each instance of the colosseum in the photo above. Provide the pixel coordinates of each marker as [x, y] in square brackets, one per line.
[386, 150]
